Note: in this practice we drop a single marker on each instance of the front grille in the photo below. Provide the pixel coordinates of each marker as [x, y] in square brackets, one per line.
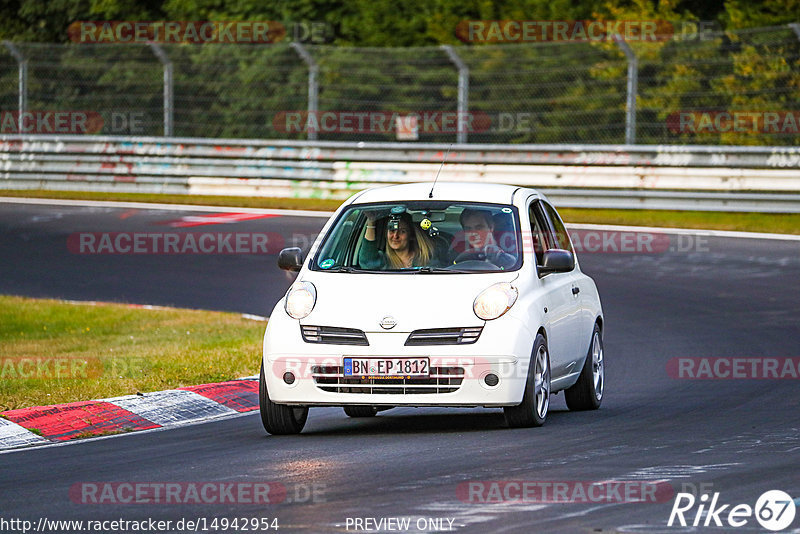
[333, 335]
[441, 380]
[445, 336]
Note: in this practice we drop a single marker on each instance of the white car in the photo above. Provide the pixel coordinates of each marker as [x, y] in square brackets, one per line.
[457, 295]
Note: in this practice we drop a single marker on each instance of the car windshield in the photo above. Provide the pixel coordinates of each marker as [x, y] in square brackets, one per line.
[422, 237]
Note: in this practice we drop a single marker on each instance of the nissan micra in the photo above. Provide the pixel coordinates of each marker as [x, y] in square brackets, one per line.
[456, 295]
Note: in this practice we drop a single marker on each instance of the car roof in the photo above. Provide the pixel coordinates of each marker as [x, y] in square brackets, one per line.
[456, 191]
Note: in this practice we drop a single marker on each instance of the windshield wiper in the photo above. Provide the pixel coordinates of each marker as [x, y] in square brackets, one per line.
[345, 269]
[440, 270]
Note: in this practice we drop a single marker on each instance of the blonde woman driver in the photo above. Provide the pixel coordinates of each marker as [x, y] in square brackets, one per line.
[406, 245]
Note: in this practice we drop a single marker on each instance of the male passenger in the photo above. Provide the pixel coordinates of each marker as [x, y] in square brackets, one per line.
[478, 228]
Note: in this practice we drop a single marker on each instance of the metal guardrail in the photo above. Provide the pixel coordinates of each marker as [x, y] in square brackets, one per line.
[608, 176]
[775, 157]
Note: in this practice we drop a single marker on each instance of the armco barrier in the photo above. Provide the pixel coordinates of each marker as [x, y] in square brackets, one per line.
[610, 176]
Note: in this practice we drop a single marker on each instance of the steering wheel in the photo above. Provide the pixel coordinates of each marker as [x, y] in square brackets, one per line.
[473, 256]
[472, 265]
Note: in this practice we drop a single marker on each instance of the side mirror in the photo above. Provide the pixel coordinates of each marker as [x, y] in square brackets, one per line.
[290, 259]
[557, 261]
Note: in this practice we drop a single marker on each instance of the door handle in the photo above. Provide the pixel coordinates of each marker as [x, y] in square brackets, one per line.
[576, 290]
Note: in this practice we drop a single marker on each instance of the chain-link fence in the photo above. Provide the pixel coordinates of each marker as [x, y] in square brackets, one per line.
[729, 88]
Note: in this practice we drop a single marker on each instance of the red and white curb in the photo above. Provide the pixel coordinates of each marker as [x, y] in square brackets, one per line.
[175, 407]
[41, 425]
[13, 435]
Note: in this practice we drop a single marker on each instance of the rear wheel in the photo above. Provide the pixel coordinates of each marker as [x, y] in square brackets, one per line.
[536, 400]
[279, 418]
[587, 393]
[360, 411]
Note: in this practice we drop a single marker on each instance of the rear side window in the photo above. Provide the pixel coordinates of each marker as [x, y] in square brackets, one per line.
[561, 237]
[538, 231]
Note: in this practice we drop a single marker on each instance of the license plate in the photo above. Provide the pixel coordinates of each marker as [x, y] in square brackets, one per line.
[386, 367]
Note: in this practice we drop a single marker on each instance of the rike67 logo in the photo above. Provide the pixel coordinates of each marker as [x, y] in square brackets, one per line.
[774, 510]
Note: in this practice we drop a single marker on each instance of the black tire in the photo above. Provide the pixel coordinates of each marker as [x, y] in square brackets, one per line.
[361, 411]
[587, 392]
[279, 418]
[532, 411]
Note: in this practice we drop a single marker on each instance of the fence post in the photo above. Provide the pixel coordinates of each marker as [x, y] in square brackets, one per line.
[168, 95]
[633, 88]
[463, 92]
[23, 77]
[313, 85]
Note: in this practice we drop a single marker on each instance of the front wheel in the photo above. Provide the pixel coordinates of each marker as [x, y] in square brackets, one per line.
[536, 400]
[279, 418]
[587, 393]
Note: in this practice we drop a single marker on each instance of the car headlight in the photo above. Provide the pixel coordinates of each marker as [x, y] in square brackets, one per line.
[300, 299]
[495, 300]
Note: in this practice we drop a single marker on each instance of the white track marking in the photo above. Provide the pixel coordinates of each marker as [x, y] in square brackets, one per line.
[171, 407]
[168, 207]
[210, 419]
[14, 435]
[326, 214]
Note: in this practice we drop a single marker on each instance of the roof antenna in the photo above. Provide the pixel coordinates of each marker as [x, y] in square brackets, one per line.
[430, 195]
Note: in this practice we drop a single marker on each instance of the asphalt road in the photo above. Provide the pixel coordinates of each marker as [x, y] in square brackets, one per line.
[720, 297]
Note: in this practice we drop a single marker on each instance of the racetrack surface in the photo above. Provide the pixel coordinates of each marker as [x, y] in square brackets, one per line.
[720, 297]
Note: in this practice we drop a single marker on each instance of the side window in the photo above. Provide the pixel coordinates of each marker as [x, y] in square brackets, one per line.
[336, 249]
[561, 236]
[537, 233]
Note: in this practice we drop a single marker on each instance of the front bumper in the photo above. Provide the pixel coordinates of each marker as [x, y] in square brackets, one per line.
[458, 371]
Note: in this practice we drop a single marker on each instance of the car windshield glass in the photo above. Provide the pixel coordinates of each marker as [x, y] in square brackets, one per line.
[422, 237]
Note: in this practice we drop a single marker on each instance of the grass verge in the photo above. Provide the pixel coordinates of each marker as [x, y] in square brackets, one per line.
[53, 352]
[774, 223]
[744, 222]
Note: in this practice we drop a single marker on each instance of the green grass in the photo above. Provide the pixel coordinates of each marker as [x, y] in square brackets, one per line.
[744, 222]
[110, 350]
[90, 434]
[778, 223]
